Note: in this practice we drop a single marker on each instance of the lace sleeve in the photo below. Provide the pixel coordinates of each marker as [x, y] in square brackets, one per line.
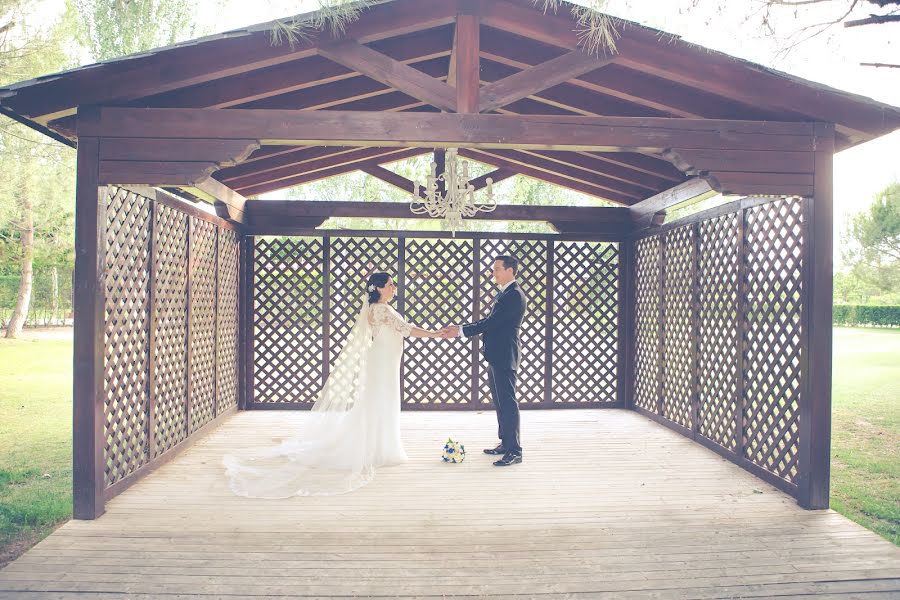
[385, 316]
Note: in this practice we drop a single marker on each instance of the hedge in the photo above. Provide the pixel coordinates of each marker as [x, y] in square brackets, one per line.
[855, 314]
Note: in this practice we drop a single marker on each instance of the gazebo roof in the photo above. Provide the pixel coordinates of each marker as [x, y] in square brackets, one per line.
[651, 75]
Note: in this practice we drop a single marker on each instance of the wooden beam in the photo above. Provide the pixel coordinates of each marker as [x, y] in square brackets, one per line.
[392, 73]
[354, 157]
[467, 63]
[537, 78]
[453, 130]
[610, 171]
[644, 212]
[390, 177]
[546, 176]
[496, 176]
[229, 204]
[815, 402]
[229, 55]
[731, 182]
[88, 423]
[325, 173]
[298, 156]
[154, 173]
[221, 152]
[693, 161]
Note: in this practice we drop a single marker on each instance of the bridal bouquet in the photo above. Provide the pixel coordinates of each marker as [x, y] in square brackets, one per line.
[454, 452]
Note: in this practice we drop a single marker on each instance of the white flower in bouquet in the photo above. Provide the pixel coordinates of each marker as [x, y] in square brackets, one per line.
[454, 452]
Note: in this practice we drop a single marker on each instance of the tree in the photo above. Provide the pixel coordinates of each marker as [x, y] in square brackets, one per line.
[873, 243]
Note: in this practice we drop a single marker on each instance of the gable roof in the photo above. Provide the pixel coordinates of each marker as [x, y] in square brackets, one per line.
[653, 74]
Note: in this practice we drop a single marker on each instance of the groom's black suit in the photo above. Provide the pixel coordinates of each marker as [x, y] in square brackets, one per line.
[501, 350]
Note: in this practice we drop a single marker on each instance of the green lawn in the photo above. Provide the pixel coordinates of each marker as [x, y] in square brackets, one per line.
[35, 440]
[36, 431]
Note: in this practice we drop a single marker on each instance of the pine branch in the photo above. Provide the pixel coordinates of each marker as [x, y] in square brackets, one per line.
[873, 20]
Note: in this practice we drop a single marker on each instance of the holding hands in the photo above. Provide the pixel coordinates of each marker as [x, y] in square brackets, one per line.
[448, 332]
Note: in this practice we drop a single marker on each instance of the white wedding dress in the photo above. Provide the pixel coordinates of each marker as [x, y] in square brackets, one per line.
[353, 427]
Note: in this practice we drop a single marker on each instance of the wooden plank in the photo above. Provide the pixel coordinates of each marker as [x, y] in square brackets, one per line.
[793, 184]
[387, 176]
[815, 407]
[260, 212]
[604, 168]
[248, 310]
[539, 77]
[467, 66]
[172, 201]
[222, 152]
[496, 176]
[154, 173]
[222, 57]
[392, 73]
[299, 156]
[330, 172]
[453, 130]
[624, 316]
[89, 307]
[694, 189]
[693, 161]
[229, 204]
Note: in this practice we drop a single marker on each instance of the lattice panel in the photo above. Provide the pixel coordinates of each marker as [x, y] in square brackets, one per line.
[717, 367]
[678, 365]
[352, 261]
[646, 326]
[439, 291]
[127, 333]
[585, 322]
[170, 356]
[288, 292]
[773, 249]
[532, 277]
[228, 320]
[202, 342]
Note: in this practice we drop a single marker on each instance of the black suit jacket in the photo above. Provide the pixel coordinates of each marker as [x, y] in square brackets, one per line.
[501, 329]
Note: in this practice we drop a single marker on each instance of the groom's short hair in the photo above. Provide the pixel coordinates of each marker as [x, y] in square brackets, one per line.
[509, 262]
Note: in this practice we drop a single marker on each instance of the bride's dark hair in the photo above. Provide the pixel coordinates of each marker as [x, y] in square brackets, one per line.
[376, 280]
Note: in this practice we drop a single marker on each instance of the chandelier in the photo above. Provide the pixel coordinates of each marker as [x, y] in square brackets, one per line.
[457, 201]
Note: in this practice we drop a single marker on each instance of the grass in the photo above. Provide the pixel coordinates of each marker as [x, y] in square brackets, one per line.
[36, 432]
[35, 441]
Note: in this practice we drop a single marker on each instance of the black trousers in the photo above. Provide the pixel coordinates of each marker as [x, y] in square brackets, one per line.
[503, 391]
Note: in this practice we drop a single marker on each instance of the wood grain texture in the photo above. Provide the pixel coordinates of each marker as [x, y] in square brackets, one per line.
[595, 512]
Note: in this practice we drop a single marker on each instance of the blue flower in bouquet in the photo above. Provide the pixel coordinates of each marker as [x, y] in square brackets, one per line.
[454, 452]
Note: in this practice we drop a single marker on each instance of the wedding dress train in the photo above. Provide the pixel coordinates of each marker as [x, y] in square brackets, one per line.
[353, 427]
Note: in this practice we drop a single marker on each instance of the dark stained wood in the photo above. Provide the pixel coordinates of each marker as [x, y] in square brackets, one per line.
[123, 172]
[89, 306]
[495, 176]
[224, 57]
[640, 163]
[173, 201]
[452, 130]
[390, 177]
[695, 189]
[266, 175]
[296, 75]
[271, 212]
[248, 327]
[331, 172]
[693, 161]
[618, 190]
[548, 321]
[228, 203]
[540, 77]
[626, 323]
[606, 171]
[152, 318]
[221, 152]
[392, 73]
[547, 176]
[285, 158]
[815, 407]
[467, 67]
[791, 184]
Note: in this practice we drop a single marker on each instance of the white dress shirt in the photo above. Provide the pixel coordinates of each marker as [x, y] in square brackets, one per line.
[502, 289]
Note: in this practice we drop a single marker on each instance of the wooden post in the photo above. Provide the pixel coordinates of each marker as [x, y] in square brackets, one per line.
[741, 327]
[661, 337]
[89, 305]
[815, 407]
[326, 308]
[548, 326]
[695, 329]
[151, 334]
[625, 316]
[476, 315]
[247, 320]
[468, 64]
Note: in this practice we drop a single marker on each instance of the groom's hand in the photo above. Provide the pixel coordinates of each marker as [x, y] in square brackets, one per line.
[450, 332]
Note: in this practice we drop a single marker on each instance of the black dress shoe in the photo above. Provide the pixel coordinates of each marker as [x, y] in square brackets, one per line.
[510, 458]
[498, 450]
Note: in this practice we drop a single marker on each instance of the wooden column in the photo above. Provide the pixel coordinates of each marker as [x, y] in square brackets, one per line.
[815, 408]
[468, 64]
[624, 369]
[89, 300]
[247, 321]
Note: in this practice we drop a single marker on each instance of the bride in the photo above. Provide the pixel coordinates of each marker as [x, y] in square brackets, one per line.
[354, 426]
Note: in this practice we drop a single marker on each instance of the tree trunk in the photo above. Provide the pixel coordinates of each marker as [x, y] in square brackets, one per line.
[14, 328]
[54, 294]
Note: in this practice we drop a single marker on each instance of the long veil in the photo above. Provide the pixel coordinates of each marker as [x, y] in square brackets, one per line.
[331, 453]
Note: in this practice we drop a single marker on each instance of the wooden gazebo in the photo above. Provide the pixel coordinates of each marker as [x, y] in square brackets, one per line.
[717, 325]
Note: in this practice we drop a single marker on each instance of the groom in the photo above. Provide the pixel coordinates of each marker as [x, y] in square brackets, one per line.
[501, 350]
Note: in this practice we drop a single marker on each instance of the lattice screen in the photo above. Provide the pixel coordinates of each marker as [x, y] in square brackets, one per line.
[647, 323]
[127, 333]
[732, 304]
[440, 285]
[773, 248]
[289, 294]
[163, 304]
[585, 322]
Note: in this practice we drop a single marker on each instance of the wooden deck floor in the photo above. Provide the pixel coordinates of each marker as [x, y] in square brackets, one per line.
[606, 505]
